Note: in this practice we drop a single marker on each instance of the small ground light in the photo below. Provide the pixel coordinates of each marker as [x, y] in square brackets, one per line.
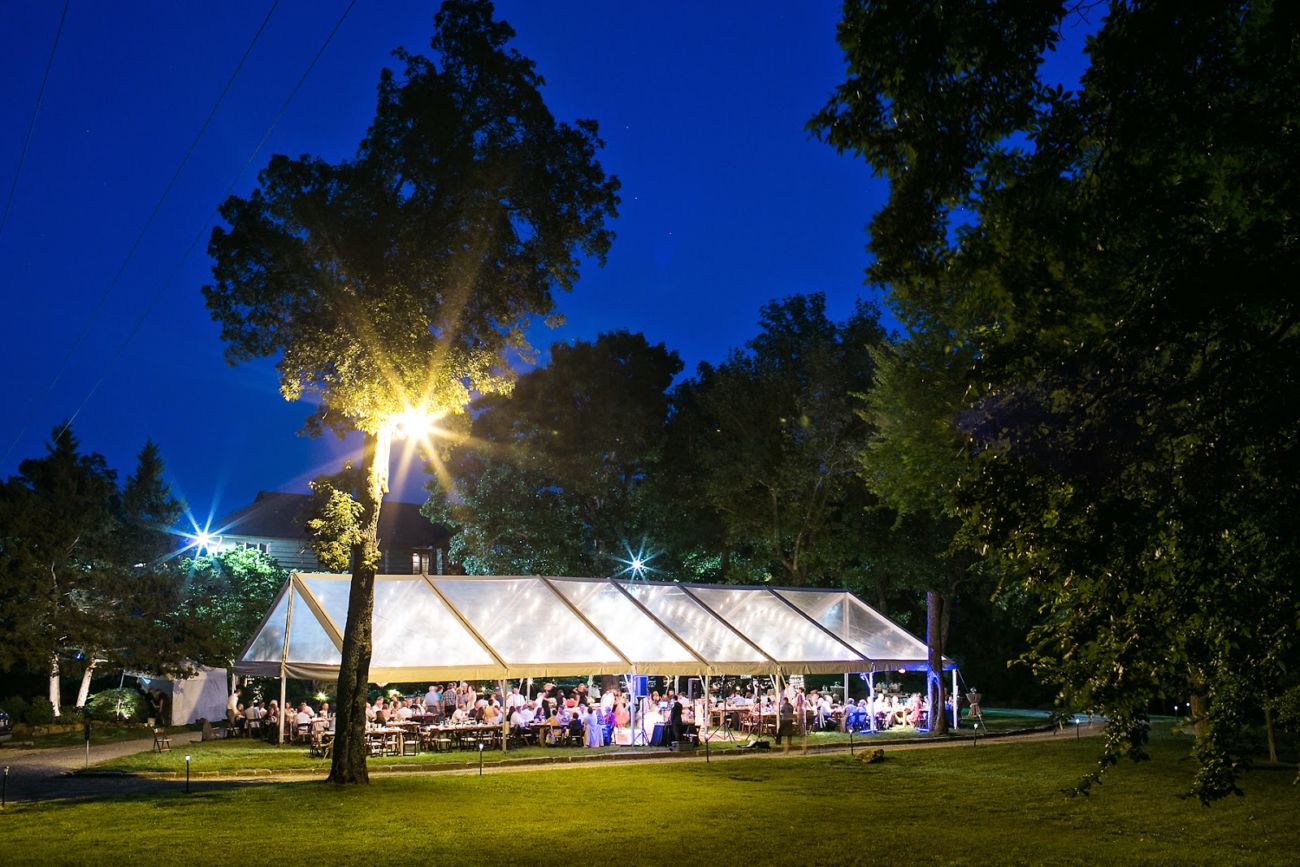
[480, 759]
[4, 788]
[187, 775]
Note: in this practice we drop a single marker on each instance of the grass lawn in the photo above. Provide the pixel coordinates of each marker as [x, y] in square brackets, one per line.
[101, 734]
[244, 755]
[994, 802]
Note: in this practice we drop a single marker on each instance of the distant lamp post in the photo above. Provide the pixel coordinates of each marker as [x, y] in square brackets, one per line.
[187, 775]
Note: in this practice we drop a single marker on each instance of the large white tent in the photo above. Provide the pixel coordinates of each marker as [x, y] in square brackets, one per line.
[436, 627]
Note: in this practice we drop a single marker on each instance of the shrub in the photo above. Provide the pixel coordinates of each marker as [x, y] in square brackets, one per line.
[41, 712]
[16, 706]
[117, 705]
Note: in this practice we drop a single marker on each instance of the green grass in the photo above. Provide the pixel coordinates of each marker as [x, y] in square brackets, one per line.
[101, 734]
[246, 756]
[977, 804]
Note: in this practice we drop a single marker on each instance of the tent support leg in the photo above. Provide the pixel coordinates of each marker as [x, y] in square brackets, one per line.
[505, 717]
[844, 723]
[956, 708]
[279, 723]
[704, 725]
[871, 700]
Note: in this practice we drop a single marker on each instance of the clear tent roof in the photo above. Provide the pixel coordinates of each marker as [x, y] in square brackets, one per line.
[429, 627]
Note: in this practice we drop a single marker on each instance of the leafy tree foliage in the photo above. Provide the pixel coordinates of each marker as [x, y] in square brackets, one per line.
[768, 441]
[1094, 283]
[82, 563]
[226, 596]
[399, 278]
[551, 479]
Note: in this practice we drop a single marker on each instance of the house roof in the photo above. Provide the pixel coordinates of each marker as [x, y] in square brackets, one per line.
[280, 515]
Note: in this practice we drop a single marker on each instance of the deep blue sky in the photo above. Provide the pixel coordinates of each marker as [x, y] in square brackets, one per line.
[727, 202]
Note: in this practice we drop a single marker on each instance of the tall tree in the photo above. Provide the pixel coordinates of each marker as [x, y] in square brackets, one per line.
[1113, 305]
[551, 480]
[398, 280]
[81, 564]
[770, 438]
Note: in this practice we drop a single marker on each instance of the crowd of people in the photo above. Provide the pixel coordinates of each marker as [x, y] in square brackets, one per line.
[595, 717]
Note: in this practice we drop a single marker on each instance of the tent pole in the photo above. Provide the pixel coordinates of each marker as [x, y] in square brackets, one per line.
[284, 658]
[956, 710]
[845, 703]
[279, 735]
[505, 717]
[704, 728]
[871, 699]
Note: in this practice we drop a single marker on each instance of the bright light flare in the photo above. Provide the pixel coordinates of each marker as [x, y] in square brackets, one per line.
[637, 564]
[414, 423]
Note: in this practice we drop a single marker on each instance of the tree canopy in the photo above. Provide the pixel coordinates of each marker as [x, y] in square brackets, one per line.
[768, 441]
[551, 479]
[1094, 284]
[84, 574]
[399, 277]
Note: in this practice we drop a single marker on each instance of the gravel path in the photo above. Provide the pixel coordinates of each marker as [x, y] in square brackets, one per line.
[41, 775]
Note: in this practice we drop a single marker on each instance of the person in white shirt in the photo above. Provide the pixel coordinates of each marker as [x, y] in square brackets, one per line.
[514, 700]
[404, 712]
[232, 707]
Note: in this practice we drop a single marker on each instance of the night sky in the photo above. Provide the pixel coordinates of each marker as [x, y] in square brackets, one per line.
[727, 201]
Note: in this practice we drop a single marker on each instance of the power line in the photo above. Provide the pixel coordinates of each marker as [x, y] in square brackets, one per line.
[121, 270]
[31, 124]
[203, 230]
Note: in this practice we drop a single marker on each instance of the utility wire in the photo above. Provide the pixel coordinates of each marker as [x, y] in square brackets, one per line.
[121, 270]
[31, 124]
[203, 230]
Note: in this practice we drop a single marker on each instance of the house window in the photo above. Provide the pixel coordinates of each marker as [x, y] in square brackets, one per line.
[256, 546]
[419, 562]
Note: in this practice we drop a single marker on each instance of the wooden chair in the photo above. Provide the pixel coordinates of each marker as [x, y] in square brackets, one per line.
[320, 746]
[162, 742]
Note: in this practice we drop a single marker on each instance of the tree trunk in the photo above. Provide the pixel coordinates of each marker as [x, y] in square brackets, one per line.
[1200, 714]
[348, 764]
[56, 695]
[1268, 731]
[84, 692]
[934, 617]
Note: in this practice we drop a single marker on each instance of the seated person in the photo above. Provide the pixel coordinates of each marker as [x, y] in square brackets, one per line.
[914, 709]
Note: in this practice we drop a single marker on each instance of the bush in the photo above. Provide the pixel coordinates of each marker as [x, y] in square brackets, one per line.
[117, 705]
[41, 712]
[16, 706]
